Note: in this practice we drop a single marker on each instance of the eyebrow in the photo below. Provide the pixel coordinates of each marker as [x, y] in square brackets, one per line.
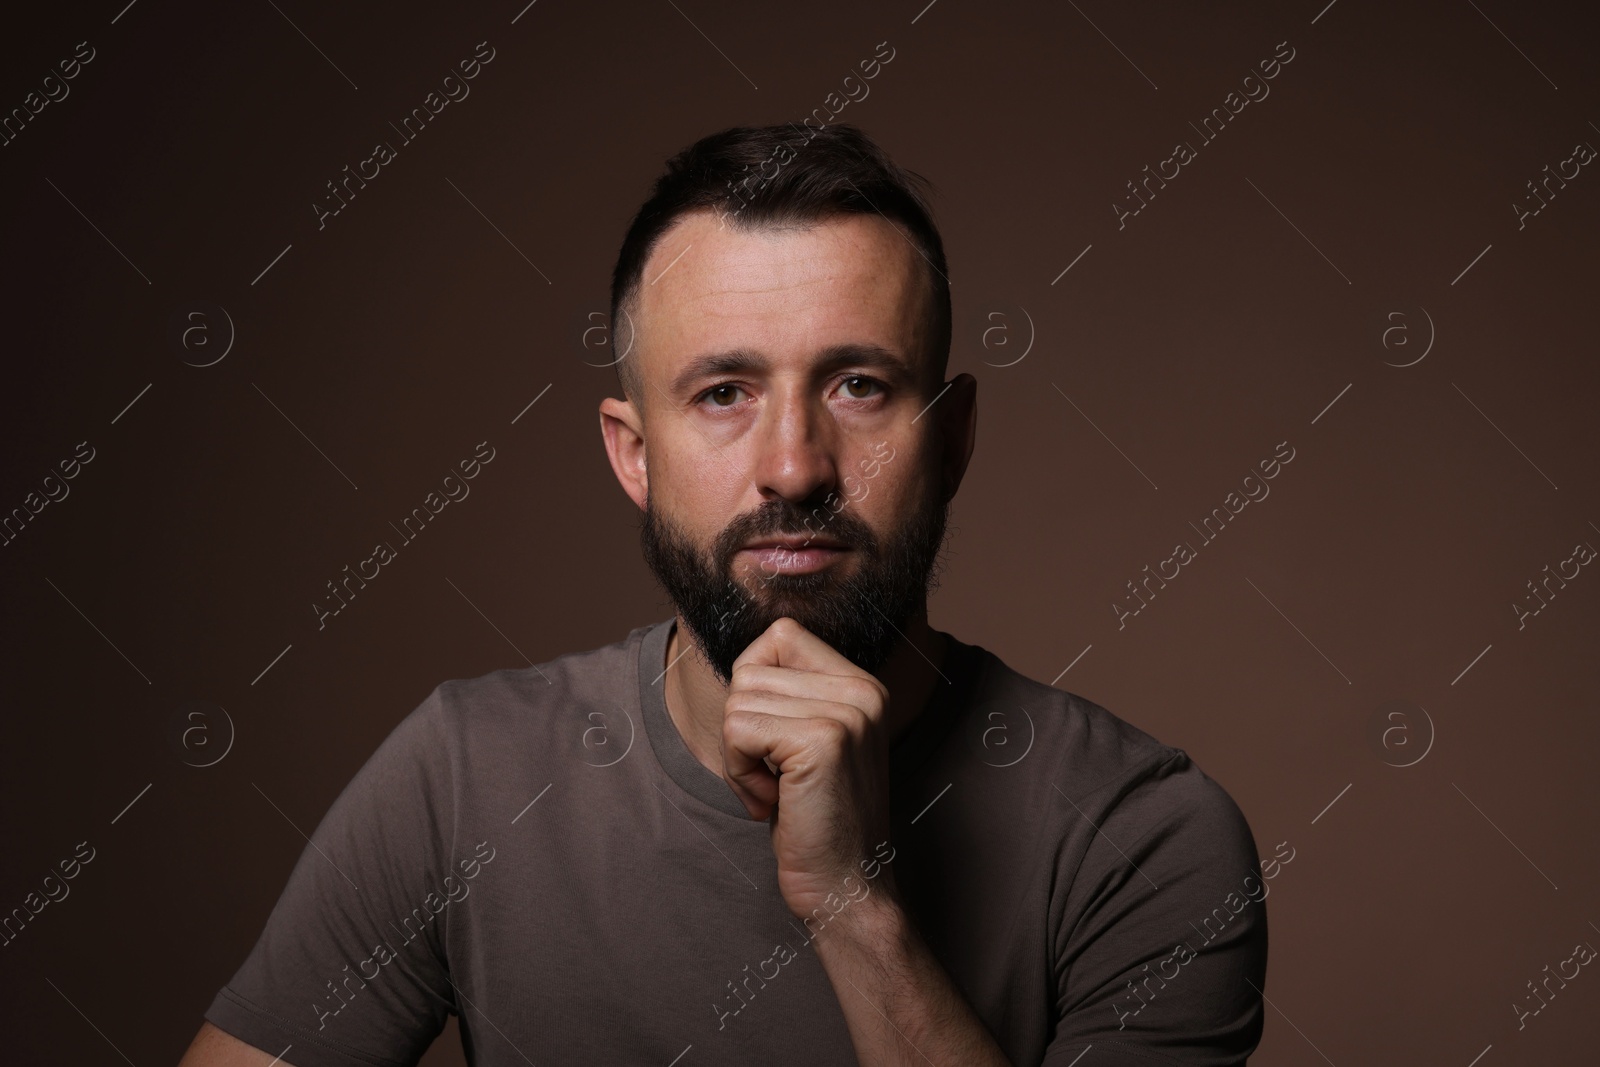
[743, 360]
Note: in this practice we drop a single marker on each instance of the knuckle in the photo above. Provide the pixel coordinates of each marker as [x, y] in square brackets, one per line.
[833, 733]
[867, 692]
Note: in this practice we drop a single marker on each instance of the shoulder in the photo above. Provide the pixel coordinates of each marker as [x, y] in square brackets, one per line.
[472, 742]
[1064, 732]
[1147, 868]
[520, 699]
[1097, 765]
[473, 735]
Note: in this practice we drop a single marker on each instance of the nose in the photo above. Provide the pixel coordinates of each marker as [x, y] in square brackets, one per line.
[794, 446]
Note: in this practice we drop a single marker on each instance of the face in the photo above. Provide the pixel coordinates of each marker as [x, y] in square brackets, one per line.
[783, 450]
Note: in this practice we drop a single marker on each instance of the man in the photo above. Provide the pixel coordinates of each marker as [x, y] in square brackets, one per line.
[793, 823]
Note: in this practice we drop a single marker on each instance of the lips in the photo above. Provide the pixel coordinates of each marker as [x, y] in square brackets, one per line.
[794, 544]
[776, 556]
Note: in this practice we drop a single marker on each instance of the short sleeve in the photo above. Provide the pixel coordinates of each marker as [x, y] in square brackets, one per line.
[1162, 949]
[350, 970]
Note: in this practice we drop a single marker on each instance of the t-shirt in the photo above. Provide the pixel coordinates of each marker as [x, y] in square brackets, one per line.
[538, 852]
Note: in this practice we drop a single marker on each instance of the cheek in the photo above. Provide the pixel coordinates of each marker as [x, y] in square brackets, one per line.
[699, 496]
[907, 477]
[888, 502]
[694, 478]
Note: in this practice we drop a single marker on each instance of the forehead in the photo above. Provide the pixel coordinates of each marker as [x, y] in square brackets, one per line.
[850, 279]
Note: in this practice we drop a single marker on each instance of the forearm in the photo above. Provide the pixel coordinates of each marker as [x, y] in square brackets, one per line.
[900, 1003]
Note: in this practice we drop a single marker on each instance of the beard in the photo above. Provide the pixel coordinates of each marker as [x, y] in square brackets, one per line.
[860, 613]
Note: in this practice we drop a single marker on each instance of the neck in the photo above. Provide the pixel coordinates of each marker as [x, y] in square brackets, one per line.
[695, 696]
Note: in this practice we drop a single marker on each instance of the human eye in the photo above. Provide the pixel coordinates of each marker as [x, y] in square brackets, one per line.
[854, 381]
[720, 395]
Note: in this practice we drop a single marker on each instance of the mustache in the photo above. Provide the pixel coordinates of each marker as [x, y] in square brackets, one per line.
[785, 518]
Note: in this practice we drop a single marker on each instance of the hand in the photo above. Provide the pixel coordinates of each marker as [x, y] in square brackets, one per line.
[798, 707]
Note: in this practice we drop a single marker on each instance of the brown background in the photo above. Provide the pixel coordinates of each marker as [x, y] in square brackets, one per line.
[1198, 337]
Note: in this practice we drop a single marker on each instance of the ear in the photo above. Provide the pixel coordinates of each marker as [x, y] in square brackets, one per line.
[959, 426]
[623, 431]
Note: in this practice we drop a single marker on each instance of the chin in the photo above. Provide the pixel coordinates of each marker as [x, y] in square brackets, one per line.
[791, 594]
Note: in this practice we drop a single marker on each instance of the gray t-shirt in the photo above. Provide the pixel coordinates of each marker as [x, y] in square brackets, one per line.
[537, 851]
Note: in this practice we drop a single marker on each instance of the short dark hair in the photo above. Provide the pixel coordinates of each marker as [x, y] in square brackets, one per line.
[821, 172]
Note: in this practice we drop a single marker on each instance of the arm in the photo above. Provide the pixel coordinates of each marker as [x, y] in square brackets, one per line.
[804, 748]
[900, 1003]
[1161, 932]
[350, 968]
[213, 1047]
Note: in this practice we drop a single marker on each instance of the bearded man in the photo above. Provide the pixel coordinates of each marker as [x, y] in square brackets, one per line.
[793, 823]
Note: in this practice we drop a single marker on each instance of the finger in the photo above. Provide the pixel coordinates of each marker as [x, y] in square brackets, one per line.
[786, 707]
[749, 761]
[857, 690]
[751, 738]
[786, 643]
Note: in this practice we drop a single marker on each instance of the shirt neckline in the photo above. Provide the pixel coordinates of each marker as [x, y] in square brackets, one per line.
[960, 666]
